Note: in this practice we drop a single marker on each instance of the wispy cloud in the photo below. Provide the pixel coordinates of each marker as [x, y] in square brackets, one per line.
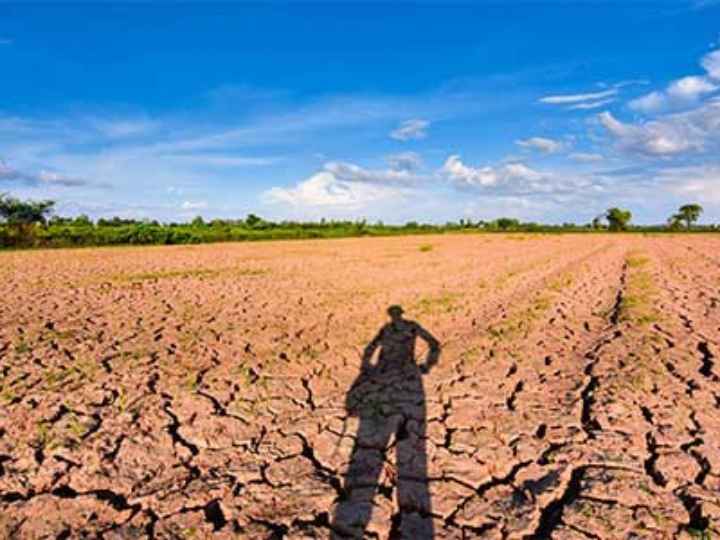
[543, 144]
[586, 157]
[194, 205]
[42, 177]
[591, 104]
[411, 129]
[6, 41]
[220, 160]
[404, 161]
[577, 98]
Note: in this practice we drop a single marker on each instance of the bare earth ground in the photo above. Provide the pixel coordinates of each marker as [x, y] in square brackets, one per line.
[199, 392]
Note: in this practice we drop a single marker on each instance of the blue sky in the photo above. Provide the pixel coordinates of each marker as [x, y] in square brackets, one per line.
[547, 111]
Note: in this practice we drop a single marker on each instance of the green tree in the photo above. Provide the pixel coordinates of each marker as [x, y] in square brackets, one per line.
[82, 221]
[23, 213]
[252, 220]
[21, 217]
[618, 219]
[689, 213]
[505, 223]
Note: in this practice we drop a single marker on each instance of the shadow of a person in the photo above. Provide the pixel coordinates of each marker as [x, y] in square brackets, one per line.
[389, 399]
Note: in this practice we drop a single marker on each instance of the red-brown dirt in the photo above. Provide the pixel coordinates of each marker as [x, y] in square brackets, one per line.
[201, 391]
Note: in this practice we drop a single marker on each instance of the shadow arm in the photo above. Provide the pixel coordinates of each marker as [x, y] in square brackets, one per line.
[370, 351]
[433, 354]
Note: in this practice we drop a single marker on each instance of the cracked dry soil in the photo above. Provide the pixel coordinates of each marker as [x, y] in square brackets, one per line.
[200, 392]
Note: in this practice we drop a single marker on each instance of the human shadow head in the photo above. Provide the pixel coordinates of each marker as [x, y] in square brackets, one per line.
[388, 398]
[396, 312]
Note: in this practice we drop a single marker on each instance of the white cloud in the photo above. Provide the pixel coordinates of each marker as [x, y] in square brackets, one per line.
[194, 205]
[683, 91]
[673, 134]
[549, 146]
[463, 175]
[118, 129]
[690, 88]
[695, 184]
[591, 104]
[43, 177]
[654, 101]
[404, 161]
[711, 63]
[51, 177]
[577, 98]
[584, 157]
[219, 160]
[410, 129]
[349, 172]
[324, 189]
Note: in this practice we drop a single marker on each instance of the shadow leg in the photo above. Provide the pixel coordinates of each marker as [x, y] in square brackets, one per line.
[354, 511]
[413, 490]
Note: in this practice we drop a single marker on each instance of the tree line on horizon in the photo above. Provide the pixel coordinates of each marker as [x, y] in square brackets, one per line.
[27, 223]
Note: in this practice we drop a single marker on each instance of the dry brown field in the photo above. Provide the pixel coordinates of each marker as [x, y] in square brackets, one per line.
[201, 391]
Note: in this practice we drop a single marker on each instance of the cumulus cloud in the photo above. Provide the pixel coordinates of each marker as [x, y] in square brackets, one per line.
[711, 63]
[349, 172]
[683, 91]
[654, 101]
[673, 134]
[549, 146]
[411, 129]
[325, 190]
[463, 175]
[347, 185]
[690, 88]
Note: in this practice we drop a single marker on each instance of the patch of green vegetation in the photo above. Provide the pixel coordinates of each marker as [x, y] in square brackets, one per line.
[560, 283]
[56, 378]
[191, 382]
[636, 260]
[443, 303]
[7, 395]
[424, 248]
[187, 274]
[76, 427]
[637, 303]
[520, 323]
[22, 347]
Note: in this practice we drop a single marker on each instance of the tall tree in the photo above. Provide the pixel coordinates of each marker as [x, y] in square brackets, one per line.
[618, 219]
[23, 213]
[689, 213]
[21, 216]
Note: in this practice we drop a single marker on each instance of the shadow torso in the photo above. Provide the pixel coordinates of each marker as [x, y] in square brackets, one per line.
[397, 346]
